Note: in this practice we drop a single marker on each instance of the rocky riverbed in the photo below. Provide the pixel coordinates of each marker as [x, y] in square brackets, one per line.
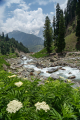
[18, 66]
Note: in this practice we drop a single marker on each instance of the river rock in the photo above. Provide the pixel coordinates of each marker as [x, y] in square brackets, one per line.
[18, 66]
[52, 70]
[19, 62]
[20, 70]
[21, 56]
[36, 73]
[12, 67]
[31, 73]
[53, 60]
[52, 65]
[63, 69]
[39, 65]
[71, 77]
[4, 67]
[54, 76]
[69, 73]
[30, 70]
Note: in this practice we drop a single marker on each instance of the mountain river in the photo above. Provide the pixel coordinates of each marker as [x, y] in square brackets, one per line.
[64, 73]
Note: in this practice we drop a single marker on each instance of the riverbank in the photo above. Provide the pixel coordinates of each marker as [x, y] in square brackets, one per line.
[18, 65]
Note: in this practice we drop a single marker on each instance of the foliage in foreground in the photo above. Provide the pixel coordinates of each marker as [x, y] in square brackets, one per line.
[55, 100]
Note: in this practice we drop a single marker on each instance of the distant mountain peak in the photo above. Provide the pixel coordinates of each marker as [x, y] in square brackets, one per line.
[28, 40]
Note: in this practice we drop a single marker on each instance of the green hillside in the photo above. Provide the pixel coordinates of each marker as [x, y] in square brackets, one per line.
[71, 42]
[28, 40]
[8, 45]
[71, 45]
[35, 48]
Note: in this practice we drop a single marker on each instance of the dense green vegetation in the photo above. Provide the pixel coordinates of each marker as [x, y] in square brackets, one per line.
[60, 40]
[70, 11]
[78, 20]
[9, 45]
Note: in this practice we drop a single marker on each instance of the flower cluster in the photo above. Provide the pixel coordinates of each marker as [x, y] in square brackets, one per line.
[14, 106]
[42, 105]
[18, 84]
[12, 76]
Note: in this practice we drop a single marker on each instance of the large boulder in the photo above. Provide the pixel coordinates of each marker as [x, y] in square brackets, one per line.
[52, 70]
[53, 59]
[72, 77]
[30, 70]
[54, 76]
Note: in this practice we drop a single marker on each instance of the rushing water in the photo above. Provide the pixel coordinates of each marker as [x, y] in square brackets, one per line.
[64, 73]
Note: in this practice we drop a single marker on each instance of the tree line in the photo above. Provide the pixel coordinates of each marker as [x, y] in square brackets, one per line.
[8, 45]
[56, 32]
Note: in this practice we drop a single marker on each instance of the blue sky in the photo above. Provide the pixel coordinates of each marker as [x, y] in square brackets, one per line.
[27, 15]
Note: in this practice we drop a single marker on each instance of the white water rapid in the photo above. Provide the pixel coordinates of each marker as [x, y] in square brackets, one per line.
[64, 73]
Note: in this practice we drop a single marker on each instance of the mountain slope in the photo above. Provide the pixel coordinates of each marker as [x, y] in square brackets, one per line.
[28, 40]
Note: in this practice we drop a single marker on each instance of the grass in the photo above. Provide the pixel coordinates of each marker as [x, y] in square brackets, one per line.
[11, 55]
[42, 53]
[3, 57]
[35, 48]
[71, 41]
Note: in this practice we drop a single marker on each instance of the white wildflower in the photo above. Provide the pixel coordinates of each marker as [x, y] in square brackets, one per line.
[14, 106]
[18, 84]
[42, 105]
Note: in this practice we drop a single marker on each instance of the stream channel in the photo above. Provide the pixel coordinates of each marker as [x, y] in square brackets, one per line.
[64, 72]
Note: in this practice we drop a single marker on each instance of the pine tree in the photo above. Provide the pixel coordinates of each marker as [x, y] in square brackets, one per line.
[7, 37]
[78, 20]
[58, 13]
[2, 34]
[70, 11]
[54, 26]
[61, 35]
[48, 34]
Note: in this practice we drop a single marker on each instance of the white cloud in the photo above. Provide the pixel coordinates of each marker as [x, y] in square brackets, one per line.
[42, 2]
[9, 2]
[45, 2]
[26, 21]
[63, 6]
[52, 13]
